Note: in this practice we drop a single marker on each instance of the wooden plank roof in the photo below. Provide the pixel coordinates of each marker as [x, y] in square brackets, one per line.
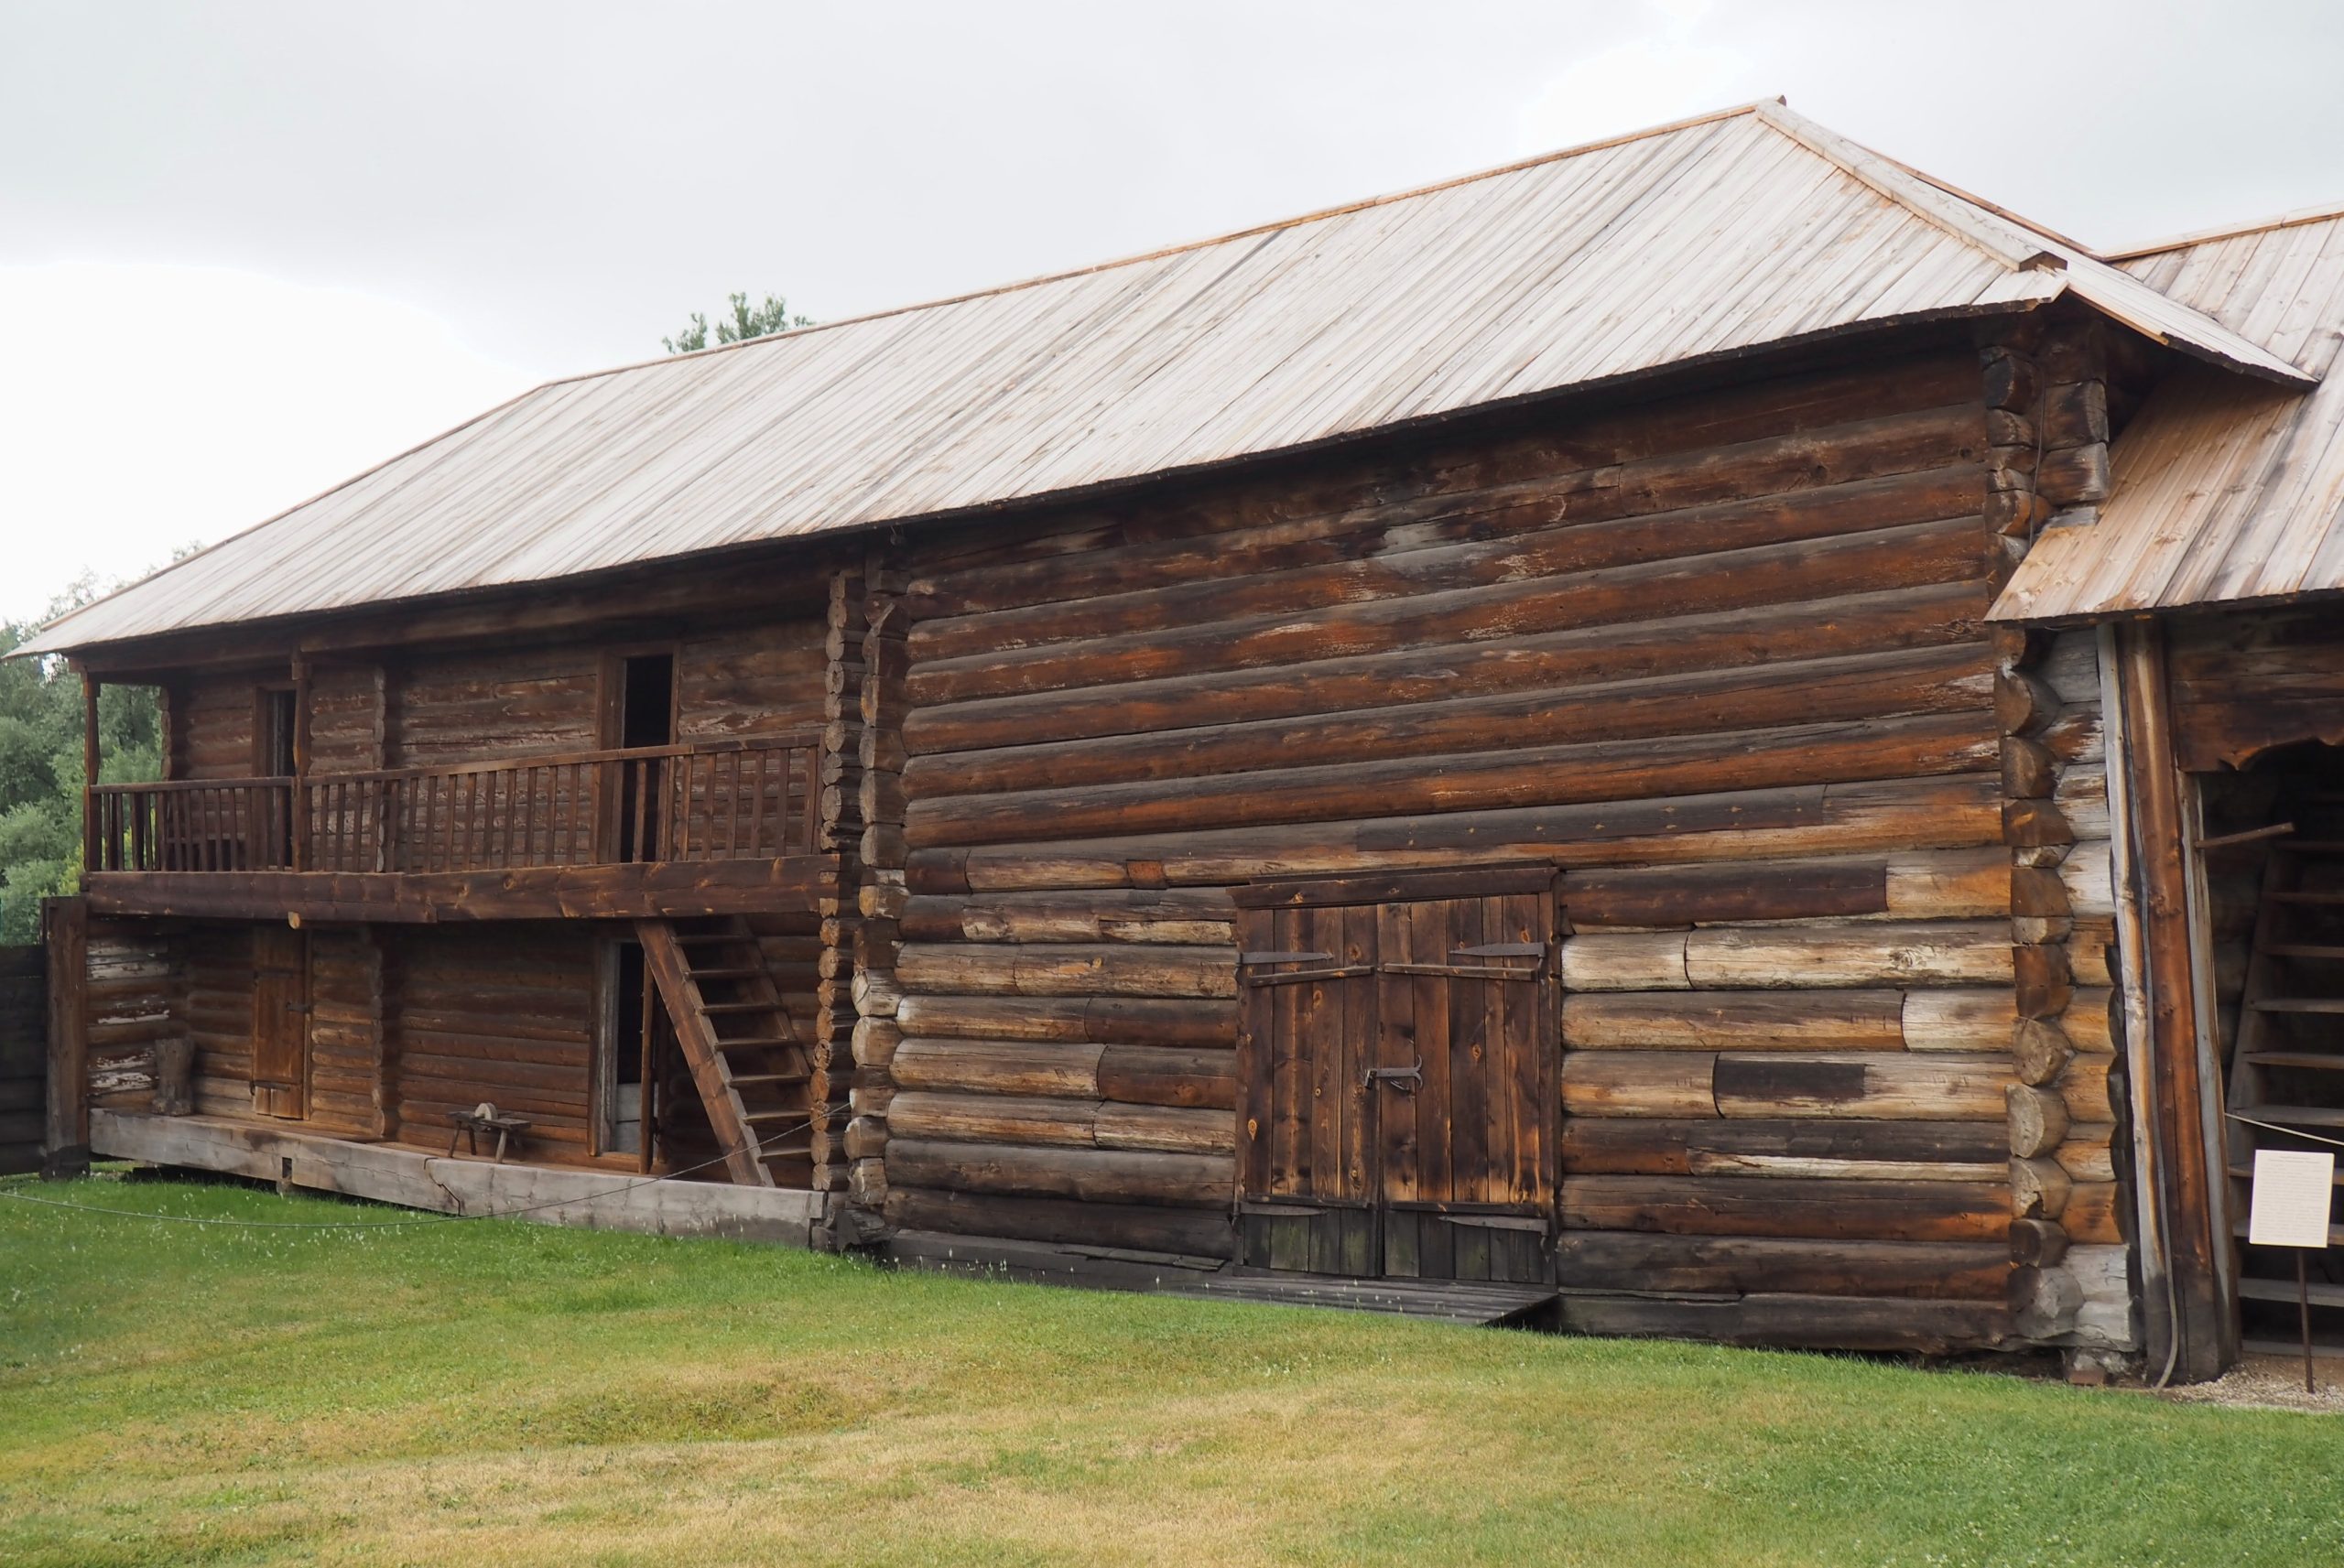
[2222, 490]
[1689, 243]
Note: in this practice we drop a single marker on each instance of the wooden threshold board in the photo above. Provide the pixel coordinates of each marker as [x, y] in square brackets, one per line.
[1448, 1300]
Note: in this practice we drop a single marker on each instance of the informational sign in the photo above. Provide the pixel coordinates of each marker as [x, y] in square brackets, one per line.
[2292, 1189]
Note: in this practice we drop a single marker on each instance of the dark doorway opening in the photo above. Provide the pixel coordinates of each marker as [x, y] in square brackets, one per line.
[627, 1061]
[277, 722]
[645, 718]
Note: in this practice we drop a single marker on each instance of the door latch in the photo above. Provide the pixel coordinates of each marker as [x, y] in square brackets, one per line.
[1406, 1079]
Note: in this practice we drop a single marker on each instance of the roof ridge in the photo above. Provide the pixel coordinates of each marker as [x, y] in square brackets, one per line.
[1316, 215]
[2293, 218]
[1997, 234]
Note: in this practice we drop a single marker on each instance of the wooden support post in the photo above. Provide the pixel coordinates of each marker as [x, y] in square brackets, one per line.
[2200, 1337]
[65, 926]
[301, 787]
[89, 858]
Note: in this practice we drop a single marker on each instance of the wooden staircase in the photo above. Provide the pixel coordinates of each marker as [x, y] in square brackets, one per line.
[2288, 1070]
[753, 1070]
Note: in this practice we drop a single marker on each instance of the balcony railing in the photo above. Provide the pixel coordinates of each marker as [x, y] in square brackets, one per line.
[721, 800]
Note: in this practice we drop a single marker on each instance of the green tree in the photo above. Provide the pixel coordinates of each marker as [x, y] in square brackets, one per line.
[40, 767]
[748, 321]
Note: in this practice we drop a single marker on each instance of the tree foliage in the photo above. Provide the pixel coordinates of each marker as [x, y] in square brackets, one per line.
[40, 767]
[748, 321]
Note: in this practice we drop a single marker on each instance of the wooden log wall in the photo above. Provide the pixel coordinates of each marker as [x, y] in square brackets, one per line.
[24, 1057]
[504, 1012]
[764, 678]
[211, 726]
[132, 980]
[1720, 657]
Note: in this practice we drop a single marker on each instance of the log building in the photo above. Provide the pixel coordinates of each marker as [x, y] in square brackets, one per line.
[1691, 735]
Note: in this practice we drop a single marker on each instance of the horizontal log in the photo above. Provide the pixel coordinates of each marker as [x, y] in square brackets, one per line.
[1759, 1206]
[1932, 615]
[991, 1118]
[1905, 557]
[1081, 552]
[1160, 1076]
[1184, 917]
[1026, 1119]
[2088, 1152]
[2096, 1215]
[1039, 969]
[1857, 953]
[1094, 1176]
[1950, 811]
[1114, 1021]
[1839, 1148]
[1892, 1086]
[1511, 778]
[1629, 1260]
[1734, 1021]
[1542, 527]
[1966, 1019]
[1922, 952]
[1202, 1233]
[1681, 895]
[1638, 1083]
[993, 1066]
[1875, 684]
[1173, 1129]
[2084, 1087]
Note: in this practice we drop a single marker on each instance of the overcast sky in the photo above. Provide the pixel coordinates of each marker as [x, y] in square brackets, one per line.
[247, 249]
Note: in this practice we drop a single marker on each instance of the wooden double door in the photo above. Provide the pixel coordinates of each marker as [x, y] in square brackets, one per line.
[1398, 1050]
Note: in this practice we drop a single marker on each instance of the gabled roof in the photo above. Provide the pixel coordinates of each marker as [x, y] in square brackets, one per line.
[1686, 243]
[2222, 490]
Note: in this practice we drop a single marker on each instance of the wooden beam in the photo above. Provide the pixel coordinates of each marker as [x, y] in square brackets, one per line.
[89, 769]
[66, 927]
[661, 888]
[2175, 1096]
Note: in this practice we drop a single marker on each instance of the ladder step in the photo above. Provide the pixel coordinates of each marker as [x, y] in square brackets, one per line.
[2316, 1059]
[2322, 1293]
[766, 1080]
[721, 1007]
[755, 1042]
[2297, 1004]
[2305, 950]
[788, 1115]
[736, 972]
[2294, 1115]
[2335, 1238]
[704, 938]
[785, 1151]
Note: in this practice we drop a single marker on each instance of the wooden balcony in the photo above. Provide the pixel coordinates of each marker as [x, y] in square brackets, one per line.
[727, 827]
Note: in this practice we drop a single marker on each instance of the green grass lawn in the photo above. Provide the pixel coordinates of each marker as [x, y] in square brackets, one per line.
[492, 1393]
